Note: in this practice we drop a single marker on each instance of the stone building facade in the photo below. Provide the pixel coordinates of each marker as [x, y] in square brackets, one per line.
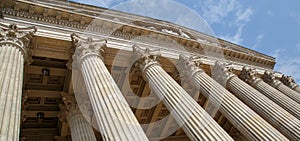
[70, 71]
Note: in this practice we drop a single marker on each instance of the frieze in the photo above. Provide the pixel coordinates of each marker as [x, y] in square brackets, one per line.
[181, 37]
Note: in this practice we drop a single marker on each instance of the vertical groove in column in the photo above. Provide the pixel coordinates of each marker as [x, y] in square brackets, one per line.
[197, 124]
[270, 78]
[11, 74]
[297, 89]
[290, 82]
[81, 130]
[111, 109]
[250, 124]
[289, 92]
[279, 98]
[274, 114]
[14, 43]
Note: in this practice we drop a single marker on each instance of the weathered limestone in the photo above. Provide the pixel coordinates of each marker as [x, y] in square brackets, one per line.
[283, 121]
[113, 114]
[81, 130]
[14, 53]
[269, 77]
[249, 123]
[290, 82]
[249, 75]
[196, 123]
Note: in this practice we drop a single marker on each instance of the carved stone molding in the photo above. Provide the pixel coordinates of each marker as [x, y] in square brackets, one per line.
[248, 75]
[24, 106]
[145, 57]
[87, 47]
[188, 66]
[221, 72]
[289, 81]
[69, 107]
[270, 78]
[17, 37]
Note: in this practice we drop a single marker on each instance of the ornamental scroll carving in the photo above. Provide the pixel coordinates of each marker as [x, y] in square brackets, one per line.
[222, 72]
[17, 37]
[249, 75]
[289, 81]
[145, 57]
[190, 65]
[270, 78]
[87, 47]
[69, 108]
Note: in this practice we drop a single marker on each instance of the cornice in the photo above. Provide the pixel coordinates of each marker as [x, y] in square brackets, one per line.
[130, 31]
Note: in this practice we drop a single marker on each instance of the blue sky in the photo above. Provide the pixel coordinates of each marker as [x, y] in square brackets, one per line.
[270, 27]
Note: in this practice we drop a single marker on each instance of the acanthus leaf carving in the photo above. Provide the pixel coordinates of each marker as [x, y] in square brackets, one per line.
[188, 66]
[249, 75]
[87, 47]
[18, 37]
[68, 108]
[222, 72]
[289, 81]
[145, 57]
[270, 78]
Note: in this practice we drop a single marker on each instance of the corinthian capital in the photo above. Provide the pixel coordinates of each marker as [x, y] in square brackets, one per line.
[17, 37]
[289, 81]
[145, 57]
[248, 75]
[190, 65]
[87, 47]
[270, 78]
[222, 72]
[69, 107]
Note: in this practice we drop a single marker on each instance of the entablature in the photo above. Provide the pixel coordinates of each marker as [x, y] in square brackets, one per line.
[56, 22]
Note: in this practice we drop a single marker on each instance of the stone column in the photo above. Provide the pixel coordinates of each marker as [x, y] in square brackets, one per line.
[249, 123]
[196, 123]
[81, 130]
[282, 120]
[113, 114]
[290, 82]
[269, 77]
[249, 75]
[14, 53]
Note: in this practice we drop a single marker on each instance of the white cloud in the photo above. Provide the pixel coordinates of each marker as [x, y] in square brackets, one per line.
[270, 13]
[236, 38]
[298, 47]
[244, 15]
[259, 38]
[228, 12]
[101, 3]
[287, 65]
[215, 10]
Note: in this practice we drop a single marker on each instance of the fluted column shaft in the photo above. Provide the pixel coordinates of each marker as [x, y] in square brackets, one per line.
[81, 130]
[297, 89]
[269, 77]
[113, 114]
[249, 123]
[288, 91]
[286, 123]
[11, 76]
[276, 96]
[196, 123]
[12, 59]
[290, 82]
